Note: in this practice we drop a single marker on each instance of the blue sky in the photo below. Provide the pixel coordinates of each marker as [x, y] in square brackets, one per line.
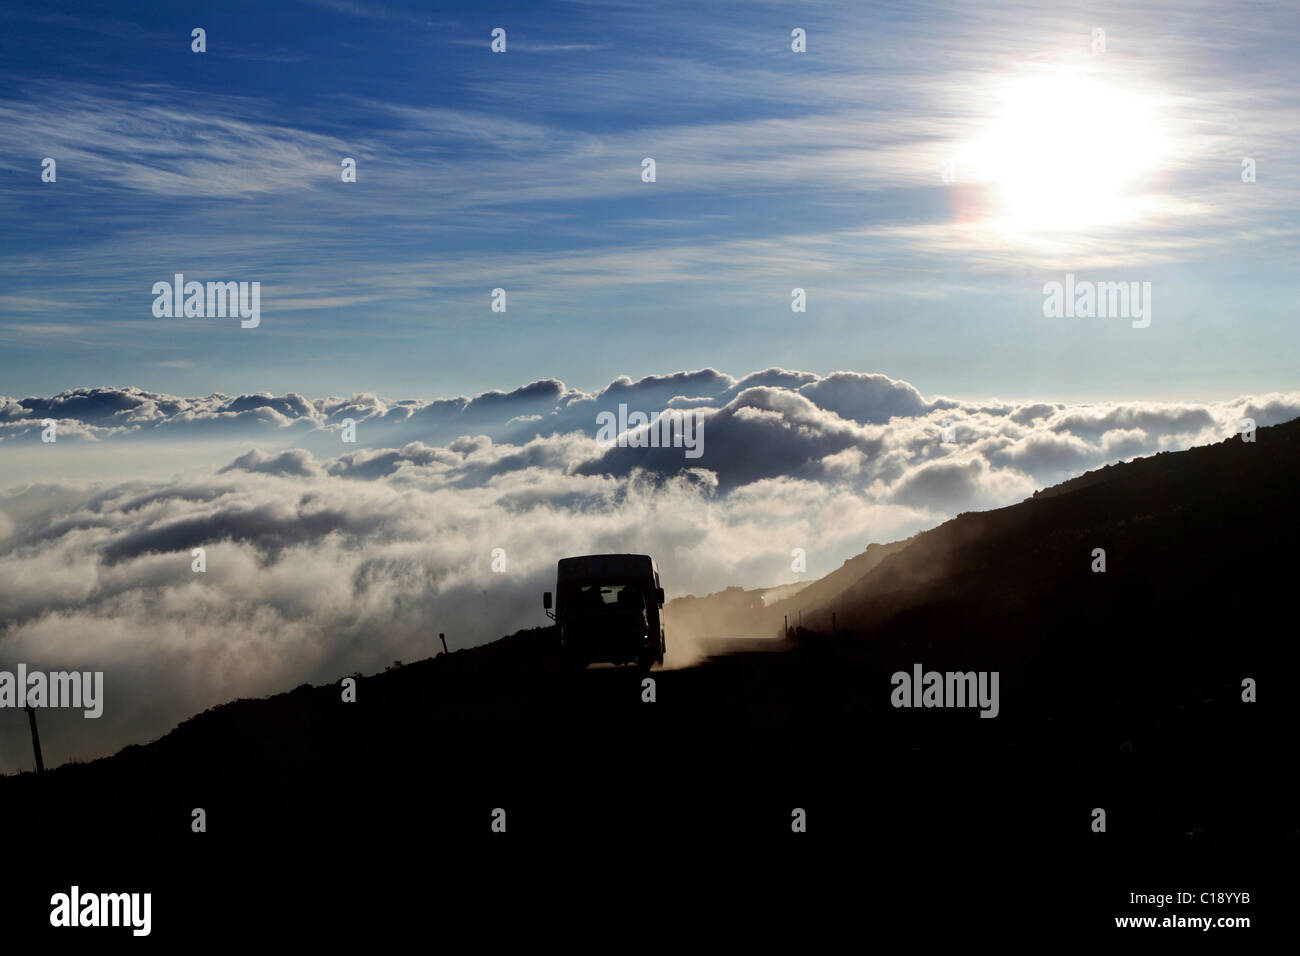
[775, 170]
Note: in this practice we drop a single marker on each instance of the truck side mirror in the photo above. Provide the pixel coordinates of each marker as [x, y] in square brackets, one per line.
[546, 600]
[659, 596]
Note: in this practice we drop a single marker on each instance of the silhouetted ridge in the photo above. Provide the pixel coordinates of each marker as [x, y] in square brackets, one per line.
[1120, 689]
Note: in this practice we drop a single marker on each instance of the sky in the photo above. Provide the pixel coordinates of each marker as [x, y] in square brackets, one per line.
[352, 465]
[920, 170]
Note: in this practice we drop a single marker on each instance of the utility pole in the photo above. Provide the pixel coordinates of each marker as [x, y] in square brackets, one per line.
[36, 738]
[443, 637]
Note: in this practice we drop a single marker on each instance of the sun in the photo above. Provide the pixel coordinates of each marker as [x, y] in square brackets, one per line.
[1066, 150]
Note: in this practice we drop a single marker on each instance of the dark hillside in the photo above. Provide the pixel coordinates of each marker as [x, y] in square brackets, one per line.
[1120, 690]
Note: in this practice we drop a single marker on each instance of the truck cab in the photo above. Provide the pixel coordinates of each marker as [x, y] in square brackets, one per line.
[608, 609]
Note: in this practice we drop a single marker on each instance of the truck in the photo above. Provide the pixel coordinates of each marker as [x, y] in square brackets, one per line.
[608, 609]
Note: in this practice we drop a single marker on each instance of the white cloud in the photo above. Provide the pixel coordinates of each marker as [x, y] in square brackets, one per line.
[324, 558]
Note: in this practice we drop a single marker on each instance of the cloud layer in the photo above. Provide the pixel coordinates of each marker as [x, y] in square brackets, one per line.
[325, 557]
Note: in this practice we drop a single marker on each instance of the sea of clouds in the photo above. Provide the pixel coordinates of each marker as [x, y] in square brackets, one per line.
[325, 558]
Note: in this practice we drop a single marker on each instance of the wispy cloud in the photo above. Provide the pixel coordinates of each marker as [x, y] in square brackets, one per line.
[774, 170]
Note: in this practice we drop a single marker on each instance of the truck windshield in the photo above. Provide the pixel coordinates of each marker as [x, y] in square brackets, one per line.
[607, 597]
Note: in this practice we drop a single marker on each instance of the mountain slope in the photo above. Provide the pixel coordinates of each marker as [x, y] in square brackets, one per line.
[1120, 690]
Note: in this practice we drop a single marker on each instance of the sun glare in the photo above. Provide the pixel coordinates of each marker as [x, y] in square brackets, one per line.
[1065, 151]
